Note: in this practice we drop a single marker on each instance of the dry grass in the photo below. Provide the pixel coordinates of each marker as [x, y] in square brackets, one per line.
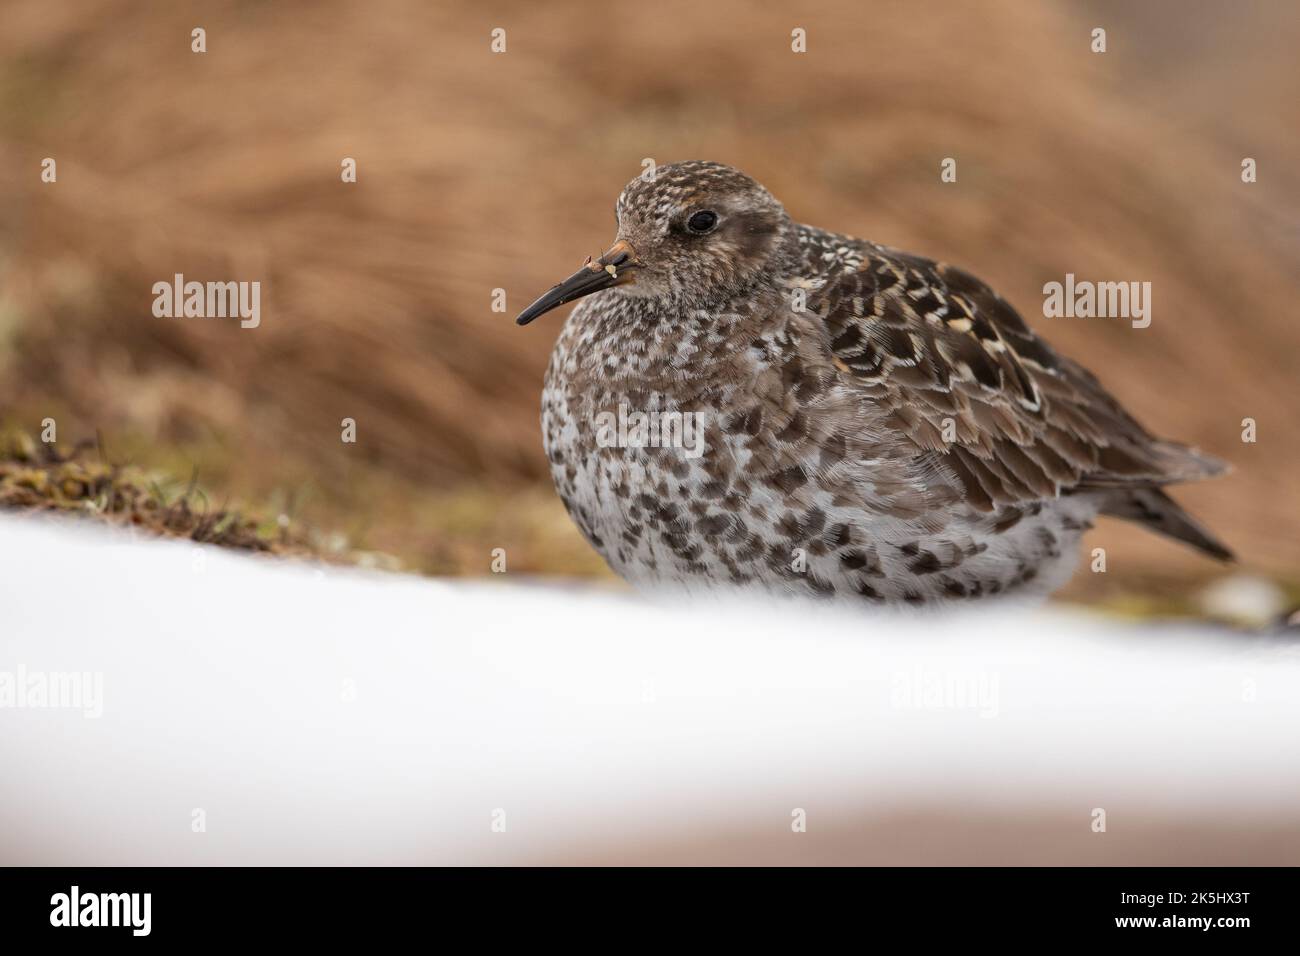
[479, 171]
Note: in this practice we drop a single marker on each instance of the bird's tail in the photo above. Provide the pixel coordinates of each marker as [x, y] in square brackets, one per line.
[1154, 509]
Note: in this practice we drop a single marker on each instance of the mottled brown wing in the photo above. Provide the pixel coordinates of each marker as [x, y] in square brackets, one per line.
[938, 347]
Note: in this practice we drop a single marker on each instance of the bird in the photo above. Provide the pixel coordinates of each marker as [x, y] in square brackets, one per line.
[837, 418]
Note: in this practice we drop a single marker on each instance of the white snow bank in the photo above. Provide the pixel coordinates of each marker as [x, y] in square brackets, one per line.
[309, 716]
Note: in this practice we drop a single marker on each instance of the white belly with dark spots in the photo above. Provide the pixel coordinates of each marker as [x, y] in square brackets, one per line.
[657, 517]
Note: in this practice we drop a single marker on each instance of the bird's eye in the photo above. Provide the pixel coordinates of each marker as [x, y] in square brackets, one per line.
[702, 222]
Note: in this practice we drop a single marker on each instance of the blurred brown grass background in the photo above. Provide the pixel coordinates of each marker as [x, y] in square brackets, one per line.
[479, 171]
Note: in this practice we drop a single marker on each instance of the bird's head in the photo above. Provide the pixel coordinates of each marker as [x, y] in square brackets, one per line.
[692, 234]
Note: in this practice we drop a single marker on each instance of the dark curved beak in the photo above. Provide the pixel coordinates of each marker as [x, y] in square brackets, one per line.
[611, 269]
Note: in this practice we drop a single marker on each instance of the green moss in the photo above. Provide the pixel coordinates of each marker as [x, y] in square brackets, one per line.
[40, 477]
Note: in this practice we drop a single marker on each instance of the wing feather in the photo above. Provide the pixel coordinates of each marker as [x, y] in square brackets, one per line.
[946, 357]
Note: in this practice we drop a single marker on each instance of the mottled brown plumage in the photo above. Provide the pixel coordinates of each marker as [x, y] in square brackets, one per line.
[874, 424]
